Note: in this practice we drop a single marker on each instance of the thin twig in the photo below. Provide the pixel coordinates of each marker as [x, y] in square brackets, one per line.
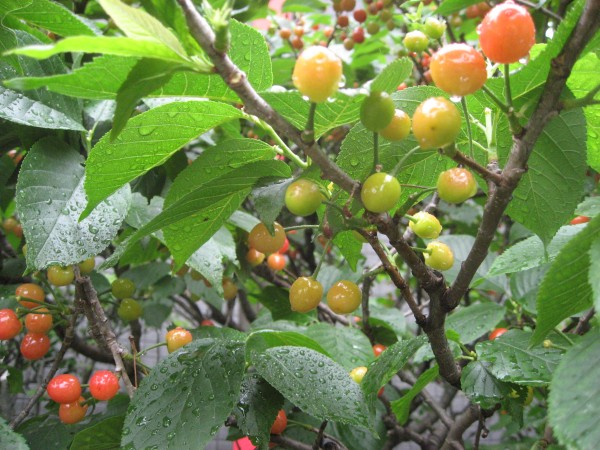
[319, 438]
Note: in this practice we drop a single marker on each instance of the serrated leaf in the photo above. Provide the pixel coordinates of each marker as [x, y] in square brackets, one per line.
[343, 110]
[553, 186]
[121, 46]
[9, 439]
[149, 140]
[510, 359]
[314, 383]
[531, 253]
[594, 271]
[49, 205]
[401, 407]
[257, 408]
[145, 77]
[347, 346]
[481, 386]
[524, 286]
[188, 396]
[49, 15]
[474, 321]
[43, 432]
[36, 108]
[392, 75]
[138, 24]
[565, 289]
[261, 340]
[269, 200]
[387, 365]
[572, 414]
[105, 435]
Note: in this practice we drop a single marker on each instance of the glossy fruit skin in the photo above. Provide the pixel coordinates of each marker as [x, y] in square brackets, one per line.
[260, 238]
[86, 267]
[344, 297]
[360, 15]
[579, 219]
[377, 111]
[60, 276]
[123, 288]
[104, 385]
[64, 388]
[434, 28]
[207, 323]
[456, 185]
[358, 35]
[71, 413]
[343, 21]
[35, 346]
[358, 373]
[497, 333]
[416, 41]
[31, 291]
[380, 192]
[441, 256]
[378, 349]
[305, 294]
[458, 69]
[230, 290]
[130, 309]
[303, 197]
[426, 226]
[254, 257]
[317, 73]
[177, 338]
[10, 325]
[39, 322]
[436, 123]
[507, 33]
[280, 423]
[398, 128]
[276, 261]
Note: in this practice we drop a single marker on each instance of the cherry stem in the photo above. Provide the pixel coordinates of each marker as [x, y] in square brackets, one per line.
[152, 347]
[463, 102]
[411, 218]
[301, 227]
[325, 250]
[308, 135]
[375, 150]
[421, 250]
[507, 91]
[515, 126]
[398, 166]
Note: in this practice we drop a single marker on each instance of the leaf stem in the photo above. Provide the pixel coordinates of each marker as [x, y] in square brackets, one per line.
[308, 135]
[397, 167]
[318, 268]
[301, 227]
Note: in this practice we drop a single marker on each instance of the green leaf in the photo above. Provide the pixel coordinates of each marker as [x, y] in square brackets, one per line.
[387, 365]
[261, 340]
[37, 108]
[581, 82]
[105, 435]
[145, 77]
[392, 75]
[257, 409]
[553, 186]
[565, 289]
[594, 271]
[49, 15]
[138, 24]
[209, 258]
[572, 413]
[44, 432]
[269, 200]
[309, 6]
[148, 140]
[510, 359]
[347, 346]
[343, 110]
[49, 205]
[481, 386]
[401, 407]
[252, 57]
[314, 383]
[9, 439]
[188, 396]
[531, 253]
[474, 321]
[122, 46]
[451, 6]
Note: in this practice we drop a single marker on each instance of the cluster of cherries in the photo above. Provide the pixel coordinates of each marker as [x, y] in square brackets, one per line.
[65, 389]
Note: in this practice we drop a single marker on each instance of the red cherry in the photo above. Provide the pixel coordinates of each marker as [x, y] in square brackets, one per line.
[497, 333]
[276, 261]
[35, 346]
[104, 385]
[10, 325]
[579, 219]
[280, 423]
[64, 388]
[71, 413]
[378, 349]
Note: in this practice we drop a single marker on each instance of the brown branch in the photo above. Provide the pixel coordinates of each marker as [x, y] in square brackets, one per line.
[254, 103]
[548, 107]
[246, 306]
[584, 320]
[87, 293]
[487, 174]
[319, 438]
[463, 421]
[66, 343]
[543, 10]
[366, 293]
[286, 442]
